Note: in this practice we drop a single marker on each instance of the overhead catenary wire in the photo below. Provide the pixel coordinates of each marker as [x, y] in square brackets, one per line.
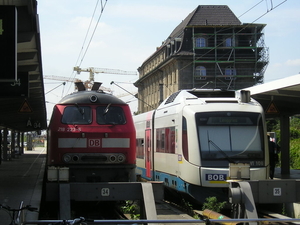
[64, 83]
[251, 8]
[91, 38]
[95, 28]
[86, 35]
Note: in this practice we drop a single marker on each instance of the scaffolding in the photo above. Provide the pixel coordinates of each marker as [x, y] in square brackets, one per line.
[232, 57]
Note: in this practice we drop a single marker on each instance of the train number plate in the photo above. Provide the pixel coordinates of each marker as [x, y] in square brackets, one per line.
[105, 192]
[277, 191]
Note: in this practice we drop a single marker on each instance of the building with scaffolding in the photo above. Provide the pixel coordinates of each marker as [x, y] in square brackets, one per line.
[210, 48]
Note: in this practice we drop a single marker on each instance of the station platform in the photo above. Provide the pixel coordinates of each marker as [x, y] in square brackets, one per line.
[294, 174]
[21, 179]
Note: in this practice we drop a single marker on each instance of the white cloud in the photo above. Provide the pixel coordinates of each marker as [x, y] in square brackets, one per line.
[293, 62]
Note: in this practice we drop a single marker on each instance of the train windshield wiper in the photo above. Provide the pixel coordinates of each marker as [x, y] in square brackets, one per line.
[106, 109]
[80, 109]
[220, 150]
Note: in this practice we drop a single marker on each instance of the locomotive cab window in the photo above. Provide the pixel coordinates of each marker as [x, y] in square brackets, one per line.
[110, 115]
[220, 133]
[77, 115]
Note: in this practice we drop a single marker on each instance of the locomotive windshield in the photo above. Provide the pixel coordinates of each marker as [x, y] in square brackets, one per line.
[230, 135]
[77, 115]
[110, 115]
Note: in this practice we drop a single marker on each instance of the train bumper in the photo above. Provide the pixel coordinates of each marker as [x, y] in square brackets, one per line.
[58, 173]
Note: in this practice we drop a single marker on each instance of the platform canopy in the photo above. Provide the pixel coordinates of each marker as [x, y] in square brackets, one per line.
[279, 97]
[22, 101]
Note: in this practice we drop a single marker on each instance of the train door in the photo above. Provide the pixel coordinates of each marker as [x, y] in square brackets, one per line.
[148, 154]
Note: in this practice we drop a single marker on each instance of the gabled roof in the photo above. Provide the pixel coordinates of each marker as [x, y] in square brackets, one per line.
[207, 15]
[203, 15]
[216, 15]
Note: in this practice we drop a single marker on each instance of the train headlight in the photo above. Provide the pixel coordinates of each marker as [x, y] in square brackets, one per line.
[113, 158]
[66, 158]
[93, 98]
[121, 158]
[75, 158]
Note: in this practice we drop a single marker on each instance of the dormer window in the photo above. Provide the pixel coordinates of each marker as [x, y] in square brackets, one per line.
[200, 42]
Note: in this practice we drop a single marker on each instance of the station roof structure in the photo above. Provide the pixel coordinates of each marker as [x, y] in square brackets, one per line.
[23, 105]
[279, 97]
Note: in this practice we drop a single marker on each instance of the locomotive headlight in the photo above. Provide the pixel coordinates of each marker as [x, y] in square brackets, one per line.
[93, 98]
[112, 158]
[121, 158]
[66, 158]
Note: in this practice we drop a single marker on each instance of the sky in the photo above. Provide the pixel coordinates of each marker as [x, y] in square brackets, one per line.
[127, 32]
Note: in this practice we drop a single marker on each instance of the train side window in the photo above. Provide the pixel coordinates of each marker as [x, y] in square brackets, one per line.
[170, 140]
[184, 139]
[110, 115]
[165, 140]
[77, 115]
[160, 140]
[140, 148]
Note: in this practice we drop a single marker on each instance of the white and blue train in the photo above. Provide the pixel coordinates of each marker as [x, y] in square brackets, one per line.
[197, 140]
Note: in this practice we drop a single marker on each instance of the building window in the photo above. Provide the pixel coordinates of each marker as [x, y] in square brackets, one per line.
[200, 42]
[200, 73]
[229, 42]
[230, 73]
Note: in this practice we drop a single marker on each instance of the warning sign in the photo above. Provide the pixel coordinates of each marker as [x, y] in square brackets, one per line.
[25, 108]
[272, 108]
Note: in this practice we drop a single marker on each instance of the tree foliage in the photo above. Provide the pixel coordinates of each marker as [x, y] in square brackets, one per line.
[274, 126]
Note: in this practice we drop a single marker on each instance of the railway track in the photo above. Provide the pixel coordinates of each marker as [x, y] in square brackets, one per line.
[202, 215]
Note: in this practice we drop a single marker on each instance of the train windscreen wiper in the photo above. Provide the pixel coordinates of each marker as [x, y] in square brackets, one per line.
[106, 109]
[220, 150]
[80, 109]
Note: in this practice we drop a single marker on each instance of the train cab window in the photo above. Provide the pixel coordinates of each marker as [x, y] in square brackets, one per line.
[230, 135]
[77, 115]
[110, 115]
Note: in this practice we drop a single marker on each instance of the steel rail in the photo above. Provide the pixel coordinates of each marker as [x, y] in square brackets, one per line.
[205, 221]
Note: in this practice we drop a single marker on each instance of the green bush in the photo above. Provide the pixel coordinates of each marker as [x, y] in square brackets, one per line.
[294, 133]
[295, 154]
[274, 125]
[213, 204]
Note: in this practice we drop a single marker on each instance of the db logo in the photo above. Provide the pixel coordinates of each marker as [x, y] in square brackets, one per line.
[94, 142]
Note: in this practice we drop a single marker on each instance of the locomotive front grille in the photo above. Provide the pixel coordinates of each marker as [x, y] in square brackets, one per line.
[88, 158]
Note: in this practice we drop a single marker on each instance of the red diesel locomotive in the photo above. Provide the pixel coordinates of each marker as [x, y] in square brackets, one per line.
[91, 138]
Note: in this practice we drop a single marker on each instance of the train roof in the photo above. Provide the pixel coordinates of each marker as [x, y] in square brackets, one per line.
[91, 97]
[204, 94]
